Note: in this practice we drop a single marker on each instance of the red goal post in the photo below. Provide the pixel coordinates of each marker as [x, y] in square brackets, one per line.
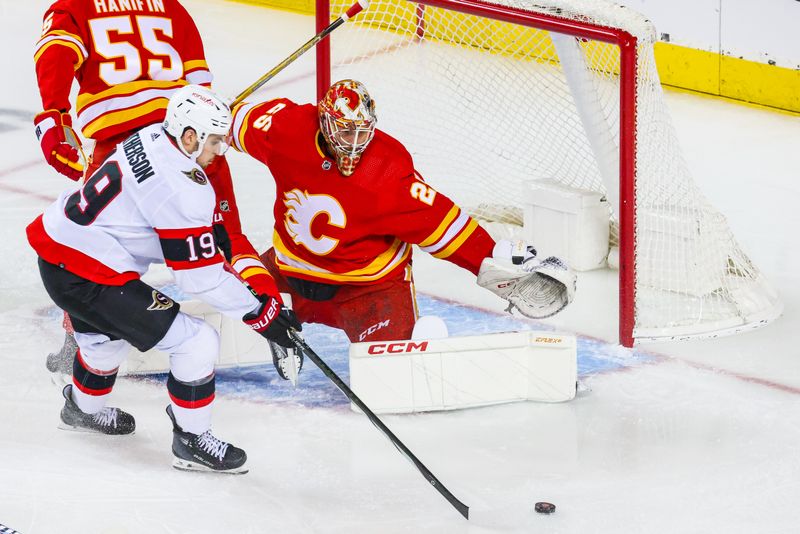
[663, 245]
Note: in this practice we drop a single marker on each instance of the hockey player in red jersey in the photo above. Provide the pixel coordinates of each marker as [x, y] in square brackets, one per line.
[128, 59]
[151, 202]
[349, 206]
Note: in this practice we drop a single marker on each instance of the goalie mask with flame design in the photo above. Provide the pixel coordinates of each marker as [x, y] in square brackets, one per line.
[347, 120]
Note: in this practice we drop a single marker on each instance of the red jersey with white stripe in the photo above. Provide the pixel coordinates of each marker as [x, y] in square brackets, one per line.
[128, 57]
[356, 229]
[148, 203]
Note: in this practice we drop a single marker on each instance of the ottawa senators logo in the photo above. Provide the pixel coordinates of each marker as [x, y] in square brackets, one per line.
[197, 176]
[161, 302]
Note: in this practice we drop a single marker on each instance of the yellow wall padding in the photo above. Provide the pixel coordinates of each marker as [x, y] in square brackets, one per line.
[298, 6]
[678, 66]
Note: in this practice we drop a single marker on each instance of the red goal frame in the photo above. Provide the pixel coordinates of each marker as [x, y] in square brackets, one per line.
[627, 45]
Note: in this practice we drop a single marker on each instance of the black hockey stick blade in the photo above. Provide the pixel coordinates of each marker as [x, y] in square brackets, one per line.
[301, 345]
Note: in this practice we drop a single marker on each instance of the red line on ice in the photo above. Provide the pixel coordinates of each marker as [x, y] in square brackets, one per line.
[21, 190]
[659, 358]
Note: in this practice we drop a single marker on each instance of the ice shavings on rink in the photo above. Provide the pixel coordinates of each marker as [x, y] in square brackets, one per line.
[261, 383]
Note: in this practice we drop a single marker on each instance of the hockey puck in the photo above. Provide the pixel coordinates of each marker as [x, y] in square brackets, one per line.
[545, 507]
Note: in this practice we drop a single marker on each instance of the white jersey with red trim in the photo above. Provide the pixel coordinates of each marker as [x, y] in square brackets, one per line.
[147, 203]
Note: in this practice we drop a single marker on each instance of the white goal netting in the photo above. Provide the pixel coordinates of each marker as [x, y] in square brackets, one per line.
[486, 106]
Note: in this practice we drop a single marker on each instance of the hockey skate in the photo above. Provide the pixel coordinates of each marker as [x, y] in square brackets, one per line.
[60, 363]
[204, 452]
[112, 421]
[288, 362]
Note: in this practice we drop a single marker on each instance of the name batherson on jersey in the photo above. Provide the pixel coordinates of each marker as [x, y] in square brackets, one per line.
[147, 203]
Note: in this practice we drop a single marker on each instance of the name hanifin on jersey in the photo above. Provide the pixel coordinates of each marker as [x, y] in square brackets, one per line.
[137, 158]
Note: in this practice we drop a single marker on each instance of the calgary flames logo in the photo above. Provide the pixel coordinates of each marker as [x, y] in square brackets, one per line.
[347, 102]
[302, 209]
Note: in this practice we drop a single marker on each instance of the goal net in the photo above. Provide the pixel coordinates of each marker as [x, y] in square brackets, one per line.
[491, 95]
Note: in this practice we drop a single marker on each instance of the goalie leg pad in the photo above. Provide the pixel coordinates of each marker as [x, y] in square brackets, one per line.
[461, 372]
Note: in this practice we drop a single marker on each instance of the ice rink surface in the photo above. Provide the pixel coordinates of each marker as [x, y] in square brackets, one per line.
[695, 437]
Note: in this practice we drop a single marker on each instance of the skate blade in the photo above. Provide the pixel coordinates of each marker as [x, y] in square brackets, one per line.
[185, 465]
[84, 430]
[291, 370]
[71, 428]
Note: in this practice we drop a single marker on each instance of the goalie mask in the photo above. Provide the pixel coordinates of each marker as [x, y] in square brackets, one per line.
[347, 120]
[203, 111]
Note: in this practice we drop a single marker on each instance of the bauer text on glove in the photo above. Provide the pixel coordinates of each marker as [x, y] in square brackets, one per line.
[273, 321]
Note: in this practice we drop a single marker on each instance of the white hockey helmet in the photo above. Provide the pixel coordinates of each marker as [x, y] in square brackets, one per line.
[347, 120]
[200, 109]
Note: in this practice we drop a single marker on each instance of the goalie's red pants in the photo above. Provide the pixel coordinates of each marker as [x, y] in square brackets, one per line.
[382, 311]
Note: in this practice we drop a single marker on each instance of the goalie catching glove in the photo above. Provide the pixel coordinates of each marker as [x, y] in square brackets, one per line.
[51, 126]
[273, 321]
[538, 289]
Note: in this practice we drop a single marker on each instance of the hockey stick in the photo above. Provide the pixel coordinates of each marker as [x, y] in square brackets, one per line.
[354, 10]
[72, 140]
[301, 345]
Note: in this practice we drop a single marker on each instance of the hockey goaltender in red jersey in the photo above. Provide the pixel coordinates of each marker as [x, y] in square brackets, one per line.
[151, 202]
[128, 58]
[349, 205]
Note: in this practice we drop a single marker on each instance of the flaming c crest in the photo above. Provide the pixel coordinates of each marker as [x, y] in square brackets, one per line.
[302, 209]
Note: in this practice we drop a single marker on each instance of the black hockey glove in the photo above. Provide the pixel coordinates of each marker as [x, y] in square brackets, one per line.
[273, 321]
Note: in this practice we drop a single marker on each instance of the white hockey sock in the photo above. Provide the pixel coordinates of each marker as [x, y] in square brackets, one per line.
[90, 404]
[194, 420]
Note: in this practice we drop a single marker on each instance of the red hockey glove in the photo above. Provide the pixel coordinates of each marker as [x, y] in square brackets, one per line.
[262, 283]
[251, 269]
[62, 156]
[273, 321]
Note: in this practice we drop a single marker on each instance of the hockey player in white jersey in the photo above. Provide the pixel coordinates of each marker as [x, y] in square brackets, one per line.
[150, 202]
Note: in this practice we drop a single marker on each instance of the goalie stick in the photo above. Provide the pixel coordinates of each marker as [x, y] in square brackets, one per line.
[354, 10]
[301, 345]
